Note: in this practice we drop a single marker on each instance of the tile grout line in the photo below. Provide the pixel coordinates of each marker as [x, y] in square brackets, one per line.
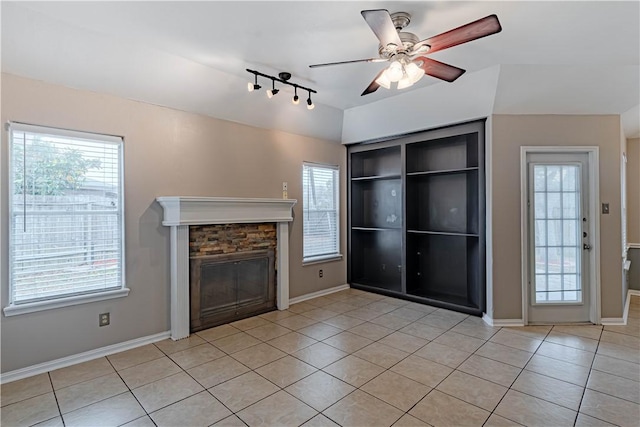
[131, 391]
[55, 396]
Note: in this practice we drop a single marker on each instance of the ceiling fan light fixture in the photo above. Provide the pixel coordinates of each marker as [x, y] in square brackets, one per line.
[394, 72]
[413, 72]
[404, 83]
[383, 80]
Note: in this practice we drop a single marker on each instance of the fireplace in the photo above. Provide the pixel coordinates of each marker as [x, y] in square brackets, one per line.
[232, 272]
[181, 212]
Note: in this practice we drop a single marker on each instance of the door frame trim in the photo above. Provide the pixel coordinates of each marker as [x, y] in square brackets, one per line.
[594, 226]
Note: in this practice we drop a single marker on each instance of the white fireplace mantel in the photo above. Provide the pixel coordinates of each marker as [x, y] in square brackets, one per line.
[181, 211]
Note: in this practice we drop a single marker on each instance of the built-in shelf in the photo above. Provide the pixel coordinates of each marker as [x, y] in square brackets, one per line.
[374, 229]
[428, 187]
[375, 177]
[442, 233]
[442, 172]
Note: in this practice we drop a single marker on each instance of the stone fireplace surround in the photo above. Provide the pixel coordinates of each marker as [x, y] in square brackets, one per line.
[182, 211]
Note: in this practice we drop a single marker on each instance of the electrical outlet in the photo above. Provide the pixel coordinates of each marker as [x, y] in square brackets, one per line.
[320, 273]
[104, 319]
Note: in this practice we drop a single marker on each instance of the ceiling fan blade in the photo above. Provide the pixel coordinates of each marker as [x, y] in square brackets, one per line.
[348, 62]
[474, 30]
[373, 86]
[381, 24]
[439, 69]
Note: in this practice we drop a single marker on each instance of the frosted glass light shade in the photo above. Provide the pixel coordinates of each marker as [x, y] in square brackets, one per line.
[395, 72]
[414, 73]
[404, 83]
[383, 80]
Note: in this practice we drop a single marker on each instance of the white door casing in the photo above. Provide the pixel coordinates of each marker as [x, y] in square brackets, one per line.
[586, 306]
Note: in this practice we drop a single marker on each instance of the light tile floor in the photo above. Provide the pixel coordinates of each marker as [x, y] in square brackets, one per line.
[351, 359]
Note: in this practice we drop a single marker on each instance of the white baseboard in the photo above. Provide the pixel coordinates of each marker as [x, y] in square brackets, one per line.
[502, 322]
[41, 368]
[613, 321]
[621, 321]
[317, 294]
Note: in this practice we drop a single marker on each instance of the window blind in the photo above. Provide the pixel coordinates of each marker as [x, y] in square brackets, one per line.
[320, 202]
[66, 214]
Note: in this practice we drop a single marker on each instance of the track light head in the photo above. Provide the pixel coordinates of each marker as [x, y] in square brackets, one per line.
[310, 104]
[296, 98]
[253, 86]
[273, 90]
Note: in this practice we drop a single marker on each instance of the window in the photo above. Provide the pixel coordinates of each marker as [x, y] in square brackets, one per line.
[66, 243]
[320, 217]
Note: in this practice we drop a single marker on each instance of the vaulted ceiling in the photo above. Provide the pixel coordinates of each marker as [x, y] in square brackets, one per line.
[567, 57]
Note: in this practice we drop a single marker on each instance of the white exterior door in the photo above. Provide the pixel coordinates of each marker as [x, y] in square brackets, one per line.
[558, 238]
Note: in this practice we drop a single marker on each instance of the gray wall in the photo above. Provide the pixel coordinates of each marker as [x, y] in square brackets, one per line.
[167, 152]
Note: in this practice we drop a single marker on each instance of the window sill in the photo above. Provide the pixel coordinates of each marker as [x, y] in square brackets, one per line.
[16, 309]
[322, 259]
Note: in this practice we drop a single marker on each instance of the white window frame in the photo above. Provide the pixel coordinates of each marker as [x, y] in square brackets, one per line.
[335, 256]
[14, 308]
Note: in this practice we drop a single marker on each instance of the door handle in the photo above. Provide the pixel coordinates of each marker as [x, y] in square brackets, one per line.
[586, 247]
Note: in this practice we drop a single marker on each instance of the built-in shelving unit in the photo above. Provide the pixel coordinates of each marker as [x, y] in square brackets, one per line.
[417, 217]
[376, 218]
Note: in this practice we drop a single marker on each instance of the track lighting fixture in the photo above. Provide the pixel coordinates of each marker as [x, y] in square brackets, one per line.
[273, 90]
[284, 79]
[296, 98]
[253, 86]
[310, 104]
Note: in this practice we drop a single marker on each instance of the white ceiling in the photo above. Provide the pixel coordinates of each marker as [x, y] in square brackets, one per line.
[564, 57]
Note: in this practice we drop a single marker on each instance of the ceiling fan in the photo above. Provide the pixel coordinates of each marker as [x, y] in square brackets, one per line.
[406, 51]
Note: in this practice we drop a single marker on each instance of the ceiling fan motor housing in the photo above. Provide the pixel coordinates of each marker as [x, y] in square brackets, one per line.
[400, 20]
[408, 41]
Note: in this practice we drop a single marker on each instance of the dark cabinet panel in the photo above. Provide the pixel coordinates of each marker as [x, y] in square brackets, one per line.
[376, 163]
[445, 203]
[444, 267]
[449, 153]
[377, 203]
[376, 258]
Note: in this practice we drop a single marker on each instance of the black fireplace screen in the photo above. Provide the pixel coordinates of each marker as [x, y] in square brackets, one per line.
[230, 287]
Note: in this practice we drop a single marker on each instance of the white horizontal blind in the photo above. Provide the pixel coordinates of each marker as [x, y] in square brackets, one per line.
[66, 214]
[320, 210]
